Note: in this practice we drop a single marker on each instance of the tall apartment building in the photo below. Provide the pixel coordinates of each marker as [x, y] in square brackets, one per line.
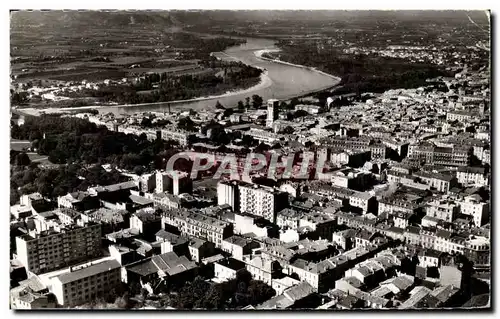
[51, 250]
[174, 182]
[261, 200]
[86, 284]
[79, 200]
[262, 135]
[399, 202]
[351, 178]
[399, 148]
[352, 158]
[311, 109]
[478, 251]
[441, 182]
[227, 193]
[272, 112]
[181, 182]
[377, 150]
[461, 116]
[147, 183]
[162, 182]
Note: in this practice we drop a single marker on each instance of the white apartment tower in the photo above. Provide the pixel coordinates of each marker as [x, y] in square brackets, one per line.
[227, 193]
[162, 182]
[473, 206]
[261, 200]
[174, 182]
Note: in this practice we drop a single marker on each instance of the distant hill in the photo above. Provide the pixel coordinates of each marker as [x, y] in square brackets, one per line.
[207, 16]
[71, 19]
[78, 19]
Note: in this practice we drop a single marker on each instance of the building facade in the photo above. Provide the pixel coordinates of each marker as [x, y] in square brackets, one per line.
[86, 284]
[52, 250]
[261, 200]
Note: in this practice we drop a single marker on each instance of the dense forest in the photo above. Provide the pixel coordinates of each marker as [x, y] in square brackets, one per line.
[362, 73]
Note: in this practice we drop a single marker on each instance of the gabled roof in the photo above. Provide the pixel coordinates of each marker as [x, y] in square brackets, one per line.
[278, 302]
[299, 291]
[478, 301]
[364, 234]
[145, 268]
[365, 271]
[196, 242]
[34, 283]
[348, 301]
[380, 291]
[140, 200]
[171, 238]
[237, 240]
[428, 301]
[417, 294]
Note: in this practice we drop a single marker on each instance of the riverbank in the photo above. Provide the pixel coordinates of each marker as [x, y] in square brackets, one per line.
[259, 54]
[279, 80]
[264, 82]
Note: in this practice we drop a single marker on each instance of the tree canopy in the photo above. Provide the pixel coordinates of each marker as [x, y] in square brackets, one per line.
[233, 294]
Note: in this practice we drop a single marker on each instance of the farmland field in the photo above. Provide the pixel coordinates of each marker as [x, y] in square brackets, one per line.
[53, 52]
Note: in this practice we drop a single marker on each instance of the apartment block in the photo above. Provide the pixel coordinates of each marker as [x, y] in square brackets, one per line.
[228, 193]
[199, 225]
[261, 200]
[472, 176]
[475, 207]
[180, 136]
[442, 209]
[173, 182]
[86, 284]
[51, 250]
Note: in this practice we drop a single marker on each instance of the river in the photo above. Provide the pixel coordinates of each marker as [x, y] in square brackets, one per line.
[279, 81]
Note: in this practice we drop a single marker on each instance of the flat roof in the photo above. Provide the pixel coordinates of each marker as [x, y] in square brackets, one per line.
[89, 271]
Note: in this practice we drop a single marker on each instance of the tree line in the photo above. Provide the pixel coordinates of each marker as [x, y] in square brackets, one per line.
[164, 87]
[362, 73]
